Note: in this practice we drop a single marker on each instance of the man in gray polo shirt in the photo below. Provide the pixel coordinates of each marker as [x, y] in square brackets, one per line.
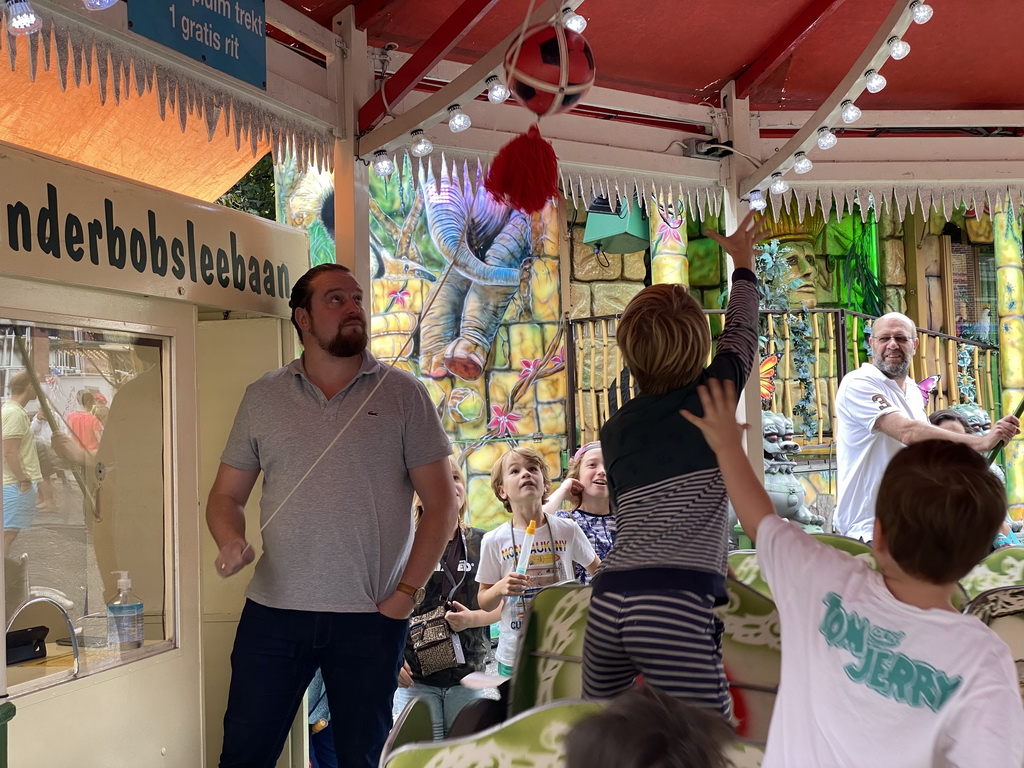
[341, 568]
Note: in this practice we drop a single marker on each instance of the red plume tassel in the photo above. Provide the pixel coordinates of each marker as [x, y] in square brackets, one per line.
[524, 173]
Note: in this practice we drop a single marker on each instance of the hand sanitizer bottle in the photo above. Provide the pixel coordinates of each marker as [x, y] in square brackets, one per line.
[124, 617]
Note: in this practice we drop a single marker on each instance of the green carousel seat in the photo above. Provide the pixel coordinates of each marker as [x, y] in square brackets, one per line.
[549, 661]
[413, 724]
[746, 570]
[532, 739]
[752, 655]
[1002, 568]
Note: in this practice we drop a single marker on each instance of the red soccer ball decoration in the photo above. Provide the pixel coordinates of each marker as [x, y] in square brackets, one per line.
[550, 69]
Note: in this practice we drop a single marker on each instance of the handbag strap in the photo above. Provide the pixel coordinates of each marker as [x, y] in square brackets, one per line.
[448, 573]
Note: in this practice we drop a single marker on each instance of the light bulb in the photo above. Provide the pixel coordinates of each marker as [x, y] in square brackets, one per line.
[851, 112]
[97, 5]
[497, 91]
[803, 163]
[757, 201]
[826, 139]
[873, 81]
[922, 12]
[458, 121]
[573, 20]
[779, 185]
[421, 146]
[21, 19]
[898, 49]
[383, 166]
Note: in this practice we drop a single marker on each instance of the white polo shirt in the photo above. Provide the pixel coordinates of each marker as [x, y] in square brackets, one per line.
[863, 452]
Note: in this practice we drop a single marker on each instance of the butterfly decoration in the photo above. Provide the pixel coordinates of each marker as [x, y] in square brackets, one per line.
[929, 387]
[767, 371]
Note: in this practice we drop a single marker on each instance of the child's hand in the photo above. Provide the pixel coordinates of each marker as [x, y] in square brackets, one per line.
[740, 244]
[513, 585]
[719, 424]
[571, 487]
[458, 617]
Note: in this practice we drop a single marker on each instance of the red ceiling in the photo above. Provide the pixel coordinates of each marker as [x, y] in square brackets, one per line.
[969, 56]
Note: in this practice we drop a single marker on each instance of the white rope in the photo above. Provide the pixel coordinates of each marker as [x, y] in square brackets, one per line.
[387, 369]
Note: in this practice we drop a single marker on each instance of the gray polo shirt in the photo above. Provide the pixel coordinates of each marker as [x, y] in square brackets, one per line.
[341, 541]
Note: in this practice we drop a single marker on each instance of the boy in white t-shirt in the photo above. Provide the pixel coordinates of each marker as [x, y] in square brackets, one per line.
[878, 668]
[520, 480]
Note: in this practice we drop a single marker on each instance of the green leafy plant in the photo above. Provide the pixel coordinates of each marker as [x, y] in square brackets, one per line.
[863, 291]
[254, 193]
[774, 287]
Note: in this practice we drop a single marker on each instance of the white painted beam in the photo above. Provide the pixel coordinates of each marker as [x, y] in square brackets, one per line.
[301, 27]
[895, 149]
[939, 118]
[605, 98]
[571, 152]
[920, 172]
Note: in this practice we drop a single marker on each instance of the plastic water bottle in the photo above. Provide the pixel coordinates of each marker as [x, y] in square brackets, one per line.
[124, 617]
[527, 549]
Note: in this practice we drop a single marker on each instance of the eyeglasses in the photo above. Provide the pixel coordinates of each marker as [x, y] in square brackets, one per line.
[901, 340]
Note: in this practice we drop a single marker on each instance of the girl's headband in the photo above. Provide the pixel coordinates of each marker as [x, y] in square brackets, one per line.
[584, 448]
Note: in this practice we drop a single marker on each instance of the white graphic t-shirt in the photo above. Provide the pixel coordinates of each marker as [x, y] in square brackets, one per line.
[868, 680]
[556, 546]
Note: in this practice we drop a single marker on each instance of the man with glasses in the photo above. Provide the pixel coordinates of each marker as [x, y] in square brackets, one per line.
[879, 410]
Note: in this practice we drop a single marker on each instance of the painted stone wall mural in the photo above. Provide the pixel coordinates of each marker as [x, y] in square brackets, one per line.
[465, 295]
[669, 260]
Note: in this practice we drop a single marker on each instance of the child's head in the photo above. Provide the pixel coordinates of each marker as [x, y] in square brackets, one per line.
[460, 494]
[646, 728]
[664, 338]
[587, 466]
[951, 421]
[938, 510]
[509, 476]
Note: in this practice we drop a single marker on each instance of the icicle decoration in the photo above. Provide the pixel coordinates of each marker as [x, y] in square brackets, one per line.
[123, 70]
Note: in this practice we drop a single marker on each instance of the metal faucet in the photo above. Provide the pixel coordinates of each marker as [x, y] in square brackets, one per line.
[67, 620]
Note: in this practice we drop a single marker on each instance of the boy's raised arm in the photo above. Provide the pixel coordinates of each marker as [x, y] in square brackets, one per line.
[724, 435]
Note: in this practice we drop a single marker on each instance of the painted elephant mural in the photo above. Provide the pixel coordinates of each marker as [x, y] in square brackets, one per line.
[465, 295]
[485, 245]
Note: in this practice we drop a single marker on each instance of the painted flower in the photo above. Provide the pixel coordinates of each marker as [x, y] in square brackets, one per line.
[529, 366]
[558, 359]
[398, 297]
[505, 423]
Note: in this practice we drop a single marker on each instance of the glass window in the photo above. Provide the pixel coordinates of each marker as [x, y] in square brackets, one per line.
[86, 497]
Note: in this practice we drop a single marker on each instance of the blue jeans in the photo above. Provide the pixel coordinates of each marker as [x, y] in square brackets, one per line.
[444, 703]
[275, 655]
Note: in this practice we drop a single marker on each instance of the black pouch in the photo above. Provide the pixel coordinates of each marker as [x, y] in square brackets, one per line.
[26, 644]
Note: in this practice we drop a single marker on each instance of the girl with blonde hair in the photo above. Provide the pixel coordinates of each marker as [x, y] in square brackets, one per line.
[453, 584]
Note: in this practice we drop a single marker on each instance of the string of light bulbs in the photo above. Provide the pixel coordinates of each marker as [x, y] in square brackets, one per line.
[458, 121]
[873, 82]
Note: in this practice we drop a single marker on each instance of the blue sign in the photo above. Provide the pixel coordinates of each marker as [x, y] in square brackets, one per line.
[229, 35]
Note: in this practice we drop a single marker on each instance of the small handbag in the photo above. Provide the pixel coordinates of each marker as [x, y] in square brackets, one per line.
[432, 641]
[436, 646]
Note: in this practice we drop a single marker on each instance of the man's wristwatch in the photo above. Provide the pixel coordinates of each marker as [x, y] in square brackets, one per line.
[417, 595]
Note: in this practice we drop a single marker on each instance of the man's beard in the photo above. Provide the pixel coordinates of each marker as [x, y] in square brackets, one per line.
[894, 369]
[342, 344]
